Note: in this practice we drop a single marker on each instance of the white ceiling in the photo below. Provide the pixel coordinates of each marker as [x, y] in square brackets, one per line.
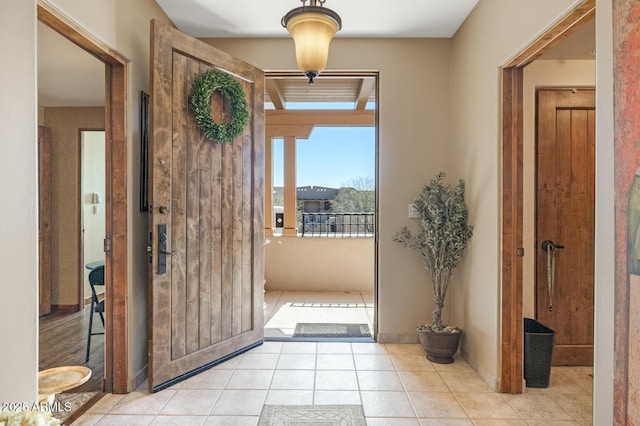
[68, 76]
[371, 18]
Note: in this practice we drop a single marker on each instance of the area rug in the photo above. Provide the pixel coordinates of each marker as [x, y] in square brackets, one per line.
[305, 329]
[302, 415]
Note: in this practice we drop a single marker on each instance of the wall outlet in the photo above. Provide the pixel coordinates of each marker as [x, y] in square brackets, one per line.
[413, 213]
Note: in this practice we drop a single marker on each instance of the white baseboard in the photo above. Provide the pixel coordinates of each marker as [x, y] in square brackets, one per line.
[138, 379]
[492, 381]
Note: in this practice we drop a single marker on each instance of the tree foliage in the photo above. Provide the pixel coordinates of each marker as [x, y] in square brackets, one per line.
[358, 196]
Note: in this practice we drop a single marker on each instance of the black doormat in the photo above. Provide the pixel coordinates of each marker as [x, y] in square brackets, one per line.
[324, 415]
[305, 329]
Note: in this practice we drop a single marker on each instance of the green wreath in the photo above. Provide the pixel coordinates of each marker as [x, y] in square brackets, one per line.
[200, 103]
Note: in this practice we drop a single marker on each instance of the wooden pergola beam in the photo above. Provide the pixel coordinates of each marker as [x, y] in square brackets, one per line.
[347, 117]
[275, 94]
[364, 90]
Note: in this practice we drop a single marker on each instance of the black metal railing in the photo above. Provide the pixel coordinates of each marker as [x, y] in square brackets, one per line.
[338, 224]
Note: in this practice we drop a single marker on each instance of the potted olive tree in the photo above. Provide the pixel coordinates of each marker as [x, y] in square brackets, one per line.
[441, 239]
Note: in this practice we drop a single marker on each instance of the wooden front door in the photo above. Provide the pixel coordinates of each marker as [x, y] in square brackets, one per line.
[565, 220]
[206, 215]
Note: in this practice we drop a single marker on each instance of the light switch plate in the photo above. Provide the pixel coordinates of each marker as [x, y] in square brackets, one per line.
[413, 213]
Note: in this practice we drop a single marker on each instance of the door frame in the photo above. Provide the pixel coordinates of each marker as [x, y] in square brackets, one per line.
[116, 344]
[268, 170]
[511, 352]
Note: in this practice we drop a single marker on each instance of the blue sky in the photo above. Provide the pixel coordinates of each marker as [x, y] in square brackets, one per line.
[332, 156]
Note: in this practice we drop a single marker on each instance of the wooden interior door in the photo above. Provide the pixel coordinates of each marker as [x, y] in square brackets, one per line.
[206, 303]
[44, 219]
[565, 215]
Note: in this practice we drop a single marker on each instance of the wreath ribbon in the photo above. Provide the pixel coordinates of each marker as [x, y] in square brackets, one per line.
[200, 103]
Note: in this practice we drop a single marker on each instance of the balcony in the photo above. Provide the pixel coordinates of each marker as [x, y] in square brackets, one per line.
[338, 225]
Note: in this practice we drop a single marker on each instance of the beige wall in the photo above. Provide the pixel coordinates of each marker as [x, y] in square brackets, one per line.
[414, 145]
[124, 26]
[541, 74]
[319, 264]
[494, 32]
[19, 224]
[67, 271]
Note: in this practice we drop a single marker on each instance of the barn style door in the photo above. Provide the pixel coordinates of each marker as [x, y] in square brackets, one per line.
[206, 215]
[565, 221]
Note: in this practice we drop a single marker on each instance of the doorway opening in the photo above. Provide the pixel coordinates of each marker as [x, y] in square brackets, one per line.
[513, 246]
[70, 324]
[321, 207]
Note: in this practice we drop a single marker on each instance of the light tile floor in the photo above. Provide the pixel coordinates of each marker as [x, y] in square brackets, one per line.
[395, 384]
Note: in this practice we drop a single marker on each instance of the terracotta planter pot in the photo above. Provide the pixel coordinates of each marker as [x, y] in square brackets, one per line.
[439, 346]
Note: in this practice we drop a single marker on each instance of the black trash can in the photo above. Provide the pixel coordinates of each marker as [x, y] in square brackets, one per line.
[538, 348]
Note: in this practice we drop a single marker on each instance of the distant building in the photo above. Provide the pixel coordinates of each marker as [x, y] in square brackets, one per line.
[311, 199]
[315, 199]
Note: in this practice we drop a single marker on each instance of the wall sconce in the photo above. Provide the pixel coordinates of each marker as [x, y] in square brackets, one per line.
[312, 28]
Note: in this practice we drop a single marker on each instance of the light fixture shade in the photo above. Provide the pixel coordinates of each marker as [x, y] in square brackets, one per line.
[312, 29]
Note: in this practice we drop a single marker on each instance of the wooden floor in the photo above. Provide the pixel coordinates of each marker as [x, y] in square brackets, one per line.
[63, 341]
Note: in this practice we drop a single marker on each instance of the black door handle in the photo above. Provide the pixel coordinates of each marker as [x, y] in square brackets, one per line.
[162, 248]
[549, 245]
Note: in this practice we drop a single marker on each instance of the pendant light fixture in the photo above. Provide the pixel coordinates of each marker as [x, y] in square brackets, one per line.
[312, 28]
